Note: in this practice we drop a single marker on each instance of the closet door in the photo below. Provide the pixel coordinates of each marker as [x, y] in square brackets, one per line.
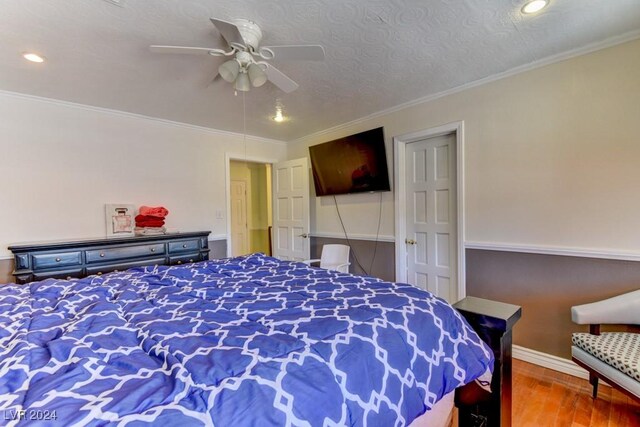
[431, 222]
[291, 210]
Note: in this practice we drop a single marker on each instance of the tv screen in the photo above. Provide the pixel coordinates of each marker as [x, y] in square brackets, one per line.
[353, 164]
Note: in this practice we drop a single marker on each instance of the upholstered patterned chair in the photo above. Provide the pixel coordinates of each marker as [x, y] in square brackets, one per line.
[613, 357]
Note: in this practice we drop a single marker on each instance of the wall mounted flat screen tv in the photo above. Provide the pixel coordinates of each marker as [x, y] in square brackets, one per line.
[353, 164]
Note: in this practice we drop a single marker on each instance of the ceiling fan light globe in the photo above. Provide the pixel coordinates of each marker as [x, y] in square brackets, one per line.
[242, 83]
[229, 70]
[257, 75]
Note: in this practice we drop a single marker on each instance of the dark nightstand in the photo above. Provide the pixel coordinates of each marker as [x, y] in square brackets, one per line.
[493, 321]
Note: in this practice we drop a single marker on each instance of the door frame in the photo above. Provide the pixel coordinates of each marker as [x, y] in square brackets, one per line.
[228, 157]
[399, 148]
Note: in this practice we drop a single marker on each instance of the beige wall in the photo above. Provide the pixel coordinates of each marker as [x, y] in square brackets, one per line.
[62, 163]
[551, 156]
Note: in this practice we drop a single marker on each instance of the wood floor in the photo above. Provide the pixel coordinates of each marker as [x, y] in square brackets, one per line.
[543, 397]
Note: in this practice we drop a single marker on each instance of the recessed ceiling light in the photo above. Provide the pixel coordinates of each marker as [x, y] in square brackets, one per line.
[279, 118]
[33, 57]
[534, 6]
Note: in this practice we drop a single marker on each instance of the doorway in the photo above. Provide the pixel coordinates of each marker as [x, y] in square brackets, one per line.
[429, 210]
[250, 209]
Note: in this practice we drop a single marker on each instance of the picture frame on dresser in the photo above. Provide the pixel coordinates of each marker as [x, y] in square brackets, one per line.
[119, 219]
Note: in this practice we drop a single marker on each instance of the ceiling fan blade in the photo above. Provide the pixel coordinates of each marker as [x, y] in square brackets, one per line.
[279, 79]
[229, 32]
[300, 52]
[215, 78]
[186, 49]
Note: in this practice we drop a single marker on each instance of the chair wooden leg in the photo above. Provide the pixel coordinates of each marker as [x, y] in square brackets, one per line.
[593, 380]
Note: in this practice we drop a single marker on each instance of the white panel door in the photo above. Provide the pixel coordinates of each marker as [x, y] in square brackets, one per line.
[239, 228]
[291, 210]
[431, 215]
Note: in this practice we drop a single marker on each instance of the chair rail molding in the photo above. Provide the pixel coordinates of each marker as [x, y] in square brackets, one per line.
[555, 250]
[353, 236]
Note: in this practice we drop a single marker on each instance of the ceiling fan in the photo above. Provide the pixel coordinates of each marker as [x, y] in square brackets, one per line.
[249, 64]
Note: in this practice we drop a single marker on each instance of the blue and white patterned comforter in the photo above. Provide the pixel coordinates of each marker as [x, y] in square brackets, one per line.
[248, 341]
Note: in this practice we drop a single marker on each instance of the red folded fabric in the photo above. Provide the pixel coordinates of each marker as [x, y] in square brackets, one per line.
[159, 211]
[149, 221]
[148, 218]
[156, 223]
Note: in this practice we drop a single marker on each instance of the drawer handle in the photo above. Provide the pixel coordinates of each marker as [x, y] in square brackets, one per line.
[58, 260]
[190, 260]
[153, 249]
[184, 246]
[101, 255]
[116, 271]
[99, 273]
[68, 277]
[179, 262]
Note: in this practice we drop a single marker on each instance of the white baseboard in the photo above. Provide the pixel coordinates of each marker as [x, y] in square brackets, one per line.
[549, 361]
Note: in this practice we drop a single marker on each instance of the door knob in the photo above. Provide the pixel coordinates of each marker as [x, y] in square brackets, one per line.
[303, 235]
[410, 241]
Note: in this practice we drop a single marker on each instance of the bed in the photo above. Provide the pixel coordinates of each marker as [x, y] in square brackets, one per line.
[240, 341]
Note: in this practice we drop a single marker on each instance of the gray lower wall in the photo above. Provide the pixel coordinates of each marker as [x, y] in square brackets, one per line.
[383, 266]
[217, 248]
[546, 286]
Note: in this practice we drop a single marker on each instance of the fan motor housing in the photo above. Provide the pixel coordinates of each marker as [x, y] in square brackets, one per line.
[250, 32]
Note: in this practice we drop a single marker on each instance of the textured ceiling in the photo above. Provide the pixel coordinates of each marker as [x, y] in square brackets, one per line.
[380, 53]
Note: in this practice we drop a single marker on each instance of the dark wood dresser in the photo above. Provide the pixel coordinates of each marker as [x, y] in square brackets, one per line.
[81, 258]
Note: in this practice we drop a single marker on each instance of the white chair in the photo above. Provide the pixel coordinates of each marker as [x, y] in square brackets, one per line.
[333, 257]
[613, 357]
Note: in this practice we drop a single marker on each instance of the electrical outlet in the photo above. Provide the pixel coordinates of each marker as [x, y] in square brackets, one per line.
[218, 214]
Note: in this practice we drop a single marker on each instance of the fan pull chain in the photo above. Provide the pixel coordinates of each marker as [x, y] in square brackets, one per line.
[244, 125]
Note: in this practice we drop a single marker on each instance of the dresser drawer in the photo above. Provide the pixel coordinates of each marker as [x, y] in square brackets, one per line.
[55, 260]
[184, 246]
[104, 269]
[73, 273]
[184, 259]
[124, 252]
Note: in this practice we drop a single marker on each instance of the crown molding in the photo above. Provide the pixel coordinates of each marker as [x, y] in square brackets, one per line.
[126, 114]
[593, 47]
